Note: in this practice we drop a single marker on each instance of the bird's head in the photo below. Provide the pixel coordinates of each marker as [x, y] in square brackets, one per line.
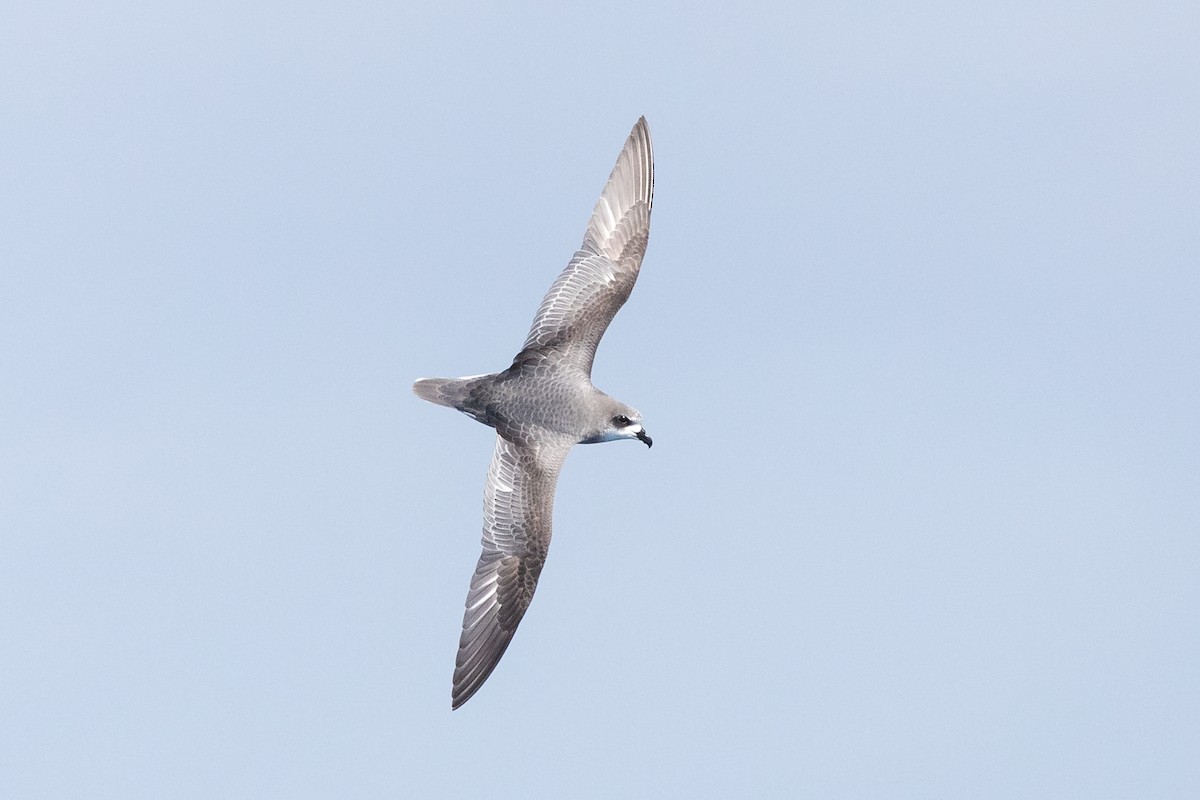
[620, 422]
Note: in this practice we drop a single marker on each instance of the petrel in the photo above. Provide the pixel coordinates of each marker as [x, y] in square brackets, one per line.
[543, 405]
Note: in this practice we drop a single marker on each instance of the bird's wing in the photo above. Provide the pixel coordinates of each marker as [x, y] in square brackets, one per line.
[596, 283]
[517, 505]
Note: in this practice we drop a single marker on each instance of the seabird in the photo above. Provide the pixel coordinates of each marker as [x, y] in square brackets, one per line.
[543, 405]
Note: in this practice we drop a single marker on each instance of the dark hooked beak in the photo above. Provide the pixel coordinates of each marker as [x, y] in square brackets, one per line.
[643, 436]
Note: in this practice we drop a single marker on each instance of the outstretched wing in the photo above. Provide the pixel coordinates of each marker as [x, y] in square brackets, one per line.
[517, 505]
[596, 283]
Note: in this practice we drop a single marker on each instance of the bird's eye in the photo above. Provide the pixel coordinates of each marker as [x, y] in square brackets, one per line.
[621, 421]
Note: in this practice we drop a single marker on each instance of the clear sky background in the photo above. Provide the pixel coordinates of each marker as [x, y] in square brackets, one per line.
[917, 338]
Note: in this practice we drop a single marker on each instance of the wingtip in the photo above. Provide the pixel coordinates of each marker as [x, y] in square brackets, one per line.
[462, 691]
[642, 127]
[630, 184]
[459, 695]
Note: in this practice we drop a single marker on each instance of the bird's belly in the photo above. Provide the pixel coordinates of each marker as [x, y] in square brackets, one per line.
[518, 411]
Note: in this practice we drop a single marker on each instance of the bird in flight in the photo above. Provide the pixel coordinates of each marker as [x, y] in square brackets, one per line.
[543, 405]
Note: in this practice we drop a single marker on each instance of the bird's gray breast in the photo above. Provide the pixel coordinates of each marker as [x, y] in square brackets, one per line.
[536, 396]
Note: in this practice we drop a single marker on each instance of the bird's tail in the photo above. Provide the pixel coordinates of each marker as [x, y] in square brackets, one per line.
[452, 392]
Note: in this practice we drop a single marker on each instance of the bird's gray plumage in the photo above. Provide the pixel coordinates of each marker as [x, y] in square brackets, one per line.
[544, 404]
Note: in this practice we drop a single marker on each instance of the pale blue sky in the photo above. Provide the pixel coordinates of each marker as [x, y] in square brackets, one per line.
[917, 339]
